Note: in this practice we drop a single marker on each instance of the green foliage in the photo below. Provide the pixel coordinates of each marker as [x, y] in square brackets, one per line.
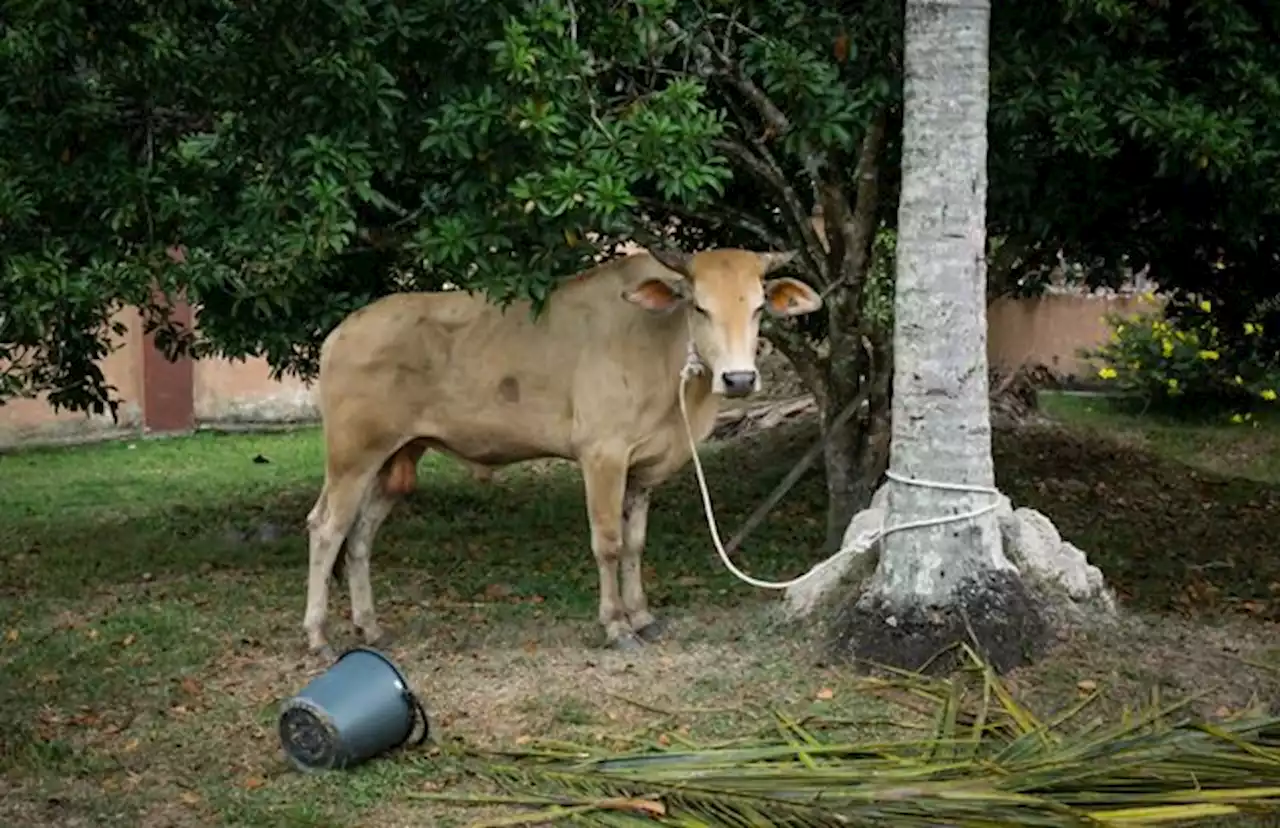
[1127, 134]
[282, 164]
[1184, 361]
[877, 296]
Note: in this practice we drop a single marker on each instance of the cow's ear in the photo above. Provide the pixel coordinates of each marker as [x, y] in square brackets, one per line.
[676, 260]
[657, 295]
[790, 297]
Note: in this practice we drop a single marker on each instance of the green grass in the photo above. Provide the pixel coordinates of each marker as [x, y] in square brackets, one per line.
[1210, 442]
[151, 598]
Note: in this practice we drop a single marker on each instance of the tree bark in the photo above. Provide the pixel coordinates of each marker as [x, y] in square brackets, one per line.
[938, 585]
[856, 452]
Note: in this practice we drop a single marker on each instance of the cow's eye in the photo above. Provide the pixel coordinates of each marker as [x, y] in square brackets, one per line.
[701, 310]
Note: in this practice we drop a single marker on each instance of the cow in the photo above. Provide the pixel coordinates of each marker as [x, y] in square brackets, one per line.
[594, 378]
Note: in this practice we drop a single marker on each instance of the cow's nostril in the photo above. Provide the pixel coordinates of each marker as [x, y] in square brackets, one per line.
[738, 383]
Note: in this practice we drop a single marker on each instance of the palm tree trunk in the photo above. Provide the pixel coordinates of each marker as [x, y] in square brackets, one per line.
[952, 582]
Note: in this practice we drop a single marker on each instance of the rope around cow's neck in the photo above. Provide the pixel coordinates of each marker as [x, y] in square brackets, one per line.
[692, 367]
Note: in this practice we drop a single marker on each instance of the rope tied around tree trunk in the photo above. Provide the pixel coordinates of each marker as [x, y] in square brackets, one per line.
[694, 366]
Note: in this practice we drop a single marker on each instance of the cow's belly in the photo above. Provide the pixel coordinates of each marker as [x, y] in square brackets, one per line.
[498, 442]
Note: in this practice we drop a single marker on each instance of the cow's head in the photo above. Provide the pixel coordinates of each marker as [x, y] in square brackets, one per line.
[722, 294]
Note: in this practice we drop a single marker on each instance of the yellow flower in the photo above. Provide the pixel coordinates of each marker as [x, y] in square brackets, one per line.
[1268, 395]
[1149, 296]
[1209, 356]
[1119, 330]
[1238, 380]
[1205, 306]
[1249, 328]
[1236, 418]
[1107, 372]
[1166, 346]
[1173, 385]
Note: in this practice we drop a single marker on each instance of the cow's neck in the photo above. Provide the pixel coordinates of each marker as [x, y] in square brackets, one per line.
[695, 383]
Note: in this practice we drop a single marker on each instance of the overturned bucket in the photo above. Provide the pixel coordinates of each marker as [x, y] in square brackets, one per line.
[357, 709]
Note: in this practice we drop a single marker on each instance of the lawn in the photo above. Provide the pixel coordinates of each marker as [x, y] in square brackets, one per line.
[151, 598]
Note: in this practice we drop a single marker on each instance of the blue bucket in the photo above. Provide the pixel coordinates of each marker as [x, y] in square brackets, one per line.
[357, 709]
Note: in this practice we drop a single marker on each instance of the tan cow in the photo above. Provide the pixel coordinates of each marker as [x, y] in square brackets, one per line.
[593, 379]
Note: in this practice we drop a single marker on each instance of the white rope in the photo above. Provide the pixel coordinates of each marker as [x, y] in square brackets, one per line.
[694, 366]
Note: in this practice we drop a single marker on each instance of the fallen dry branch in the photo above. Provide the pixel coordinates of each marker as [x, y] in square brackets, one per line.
[989, 761]
[739, 422]
[1013, 402]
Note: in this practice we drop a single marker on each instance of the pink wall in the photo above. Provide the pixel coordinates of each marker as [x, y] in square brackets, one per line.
[165, 397]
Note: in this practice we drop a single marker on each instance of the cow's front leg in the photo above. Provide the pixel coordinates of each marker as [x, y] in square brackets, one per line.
[605, 476]
[635, 520]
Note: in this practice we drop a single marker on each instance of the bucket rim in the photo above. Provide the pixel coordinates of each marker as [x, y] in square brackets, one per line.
[395, 668]
[326, 720]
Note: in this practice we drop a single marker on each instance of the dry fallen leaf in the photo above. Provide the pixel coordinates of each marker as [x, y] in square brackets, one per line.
[11, 635]
[647, 806]
[190, 686]
[253, 783]
[190, 797]
[128, 639]
[1086, 685]
[825, 694]
[130, 746]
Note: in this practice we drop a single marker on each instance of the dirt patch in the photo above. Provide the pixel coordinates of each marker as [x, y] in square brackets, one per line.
[995, 611]
[1231, 665]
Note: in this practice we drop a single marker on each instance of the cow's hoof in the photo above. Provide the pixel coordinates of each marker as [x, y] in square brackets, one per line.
[627, 642]
[653, 631]
[324, 652]
[381, 639]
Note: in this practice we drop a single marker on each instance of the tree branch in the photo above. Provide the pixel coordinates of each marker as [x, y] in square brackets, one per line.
[850, 235]
[802, 355]
[776, 122]
[723, 215]
[770, 174]
[731, 70]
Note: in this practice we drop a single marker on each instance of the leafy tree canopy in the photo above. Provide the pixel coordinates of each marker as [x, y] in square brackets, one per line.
[284, 163]
[1131, 134]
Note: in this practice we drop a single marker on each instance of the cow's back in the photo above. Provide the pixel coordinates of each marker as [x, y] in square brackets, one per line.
[495, 385]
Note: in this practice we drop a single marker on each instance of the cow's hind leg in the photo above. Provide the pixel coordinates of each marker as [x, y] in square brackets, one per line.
[397, 477]
[605, 476]
[635, 519]
[378, 504]
[330, 520]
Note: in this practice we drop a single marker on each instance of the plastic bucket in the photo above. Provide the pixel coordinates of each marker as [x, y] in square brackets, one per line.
[357, 709]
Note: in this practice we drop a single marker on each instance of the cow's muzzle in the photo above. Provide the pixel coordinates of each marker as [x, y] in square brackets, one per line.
[738, 383]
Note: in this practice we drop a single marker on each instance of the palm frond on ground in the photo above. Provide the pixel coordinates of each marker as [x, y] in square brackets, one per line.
[987, 761]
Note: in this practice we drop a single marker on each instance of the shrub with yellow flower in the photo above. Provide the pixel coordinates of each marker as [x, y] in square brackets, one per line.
[1182, 358]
